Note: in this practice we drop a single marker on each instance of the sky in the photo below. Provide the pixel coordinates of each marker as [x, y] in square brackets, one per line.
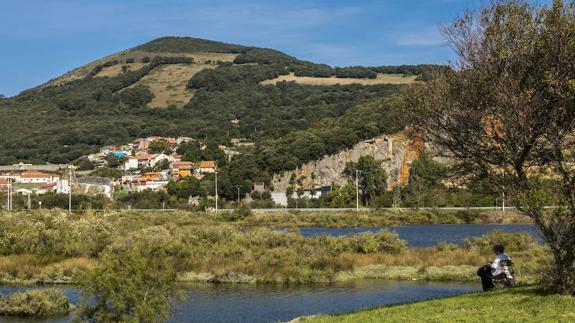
[42, 39]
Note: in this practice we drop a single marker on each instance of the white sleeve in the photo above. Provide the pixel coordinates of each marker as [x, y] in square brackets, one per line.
[495, 263]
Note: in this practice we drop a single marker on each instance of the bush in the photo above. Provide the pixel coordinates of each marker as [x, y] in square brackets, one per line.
[135, 282]
[513, 242]
[38, 303]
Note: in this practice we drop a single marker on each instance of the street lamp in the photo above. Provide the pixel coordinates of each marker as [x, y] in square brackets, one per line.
[216, 191]
[357, 189]
[238, 187]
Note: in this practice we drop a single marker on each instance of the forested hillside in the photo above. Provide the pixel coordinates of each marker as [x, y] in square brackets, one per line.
[290, 123]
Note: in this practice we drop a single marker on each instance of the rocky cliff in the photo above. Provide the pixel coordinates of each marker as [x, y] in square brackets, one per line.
[396, 151]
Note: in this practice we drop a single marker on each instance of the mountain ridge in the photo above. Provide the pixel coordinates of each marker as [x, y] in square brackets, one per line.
[290, 123]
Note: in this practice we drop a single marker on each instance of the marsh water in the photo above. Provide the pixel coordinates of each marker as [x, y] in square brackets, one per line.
[273, 303]
[239, 303]
[427, 235]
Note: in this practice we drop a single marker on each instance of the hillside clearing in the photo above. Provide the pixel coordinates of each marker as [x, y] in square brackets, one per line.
[511, 305]
[168, 83]
[381, 79]
[116, 70]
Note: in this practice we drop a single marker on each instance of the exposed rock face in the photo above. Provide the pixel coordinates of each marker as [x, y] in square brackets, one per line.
[396, 151]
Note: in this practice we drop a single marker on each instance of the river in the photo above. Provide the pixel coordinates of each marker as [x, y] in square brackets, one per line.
[427, 235]
[272, 303]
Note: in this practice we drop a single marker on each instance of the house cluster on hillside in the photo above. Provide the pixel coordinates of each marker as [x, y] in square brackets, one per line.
[29, 179]
[144, 169]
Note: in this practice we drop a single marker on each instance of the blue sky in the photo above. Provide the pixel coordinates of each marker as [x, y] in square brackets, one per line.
[42, 39]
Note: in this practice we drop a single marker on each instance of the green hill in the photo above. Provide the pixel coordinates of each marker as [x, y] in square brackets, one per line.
[179, 86]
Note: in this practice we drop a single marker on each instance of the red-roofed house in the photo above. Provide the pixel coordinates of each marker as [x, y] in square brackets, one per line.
[207, 167]
[32, 177]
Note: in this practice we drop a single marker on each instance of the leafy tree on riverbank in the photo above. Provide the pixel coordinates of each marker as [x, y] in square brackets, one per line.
[372, 178]
[506, 112]
[134, 283]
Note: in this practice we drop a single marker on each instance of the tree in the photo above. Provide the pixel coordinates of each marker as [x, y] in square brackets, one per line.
[162, 165]
[505, 111]
[157, 147]
[114, 161]
[85, 164]
[133, 283]
[372, 177]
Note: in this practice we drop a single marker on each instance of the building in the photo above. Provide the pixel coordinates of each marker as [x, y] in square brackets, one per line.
[181, 169]
[207, 167]
[131, 163]
[150, 177]
[152, 185]
[159, 157]
[141, 144]
[33, 177]
[259, 187]
[145, 160]
[152, 181]
[109, 149]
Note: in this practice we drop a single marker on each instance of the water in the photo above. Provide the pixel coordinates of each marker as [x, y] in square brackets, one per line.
[427, 235]
[240, 303]
[272, 303]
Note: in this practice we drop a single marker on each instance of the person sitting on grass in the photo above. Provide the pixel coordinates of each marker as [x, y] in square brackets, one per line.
[494, 269]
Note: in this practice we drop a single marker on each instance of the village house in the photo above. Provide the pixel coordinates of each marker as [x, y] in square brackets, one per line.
[152, 181]
[145, 160]
[4, 183]
[259, 187]
[181, 169]
[206, 167]
[109, 149]
[33, 177]
[141, 144]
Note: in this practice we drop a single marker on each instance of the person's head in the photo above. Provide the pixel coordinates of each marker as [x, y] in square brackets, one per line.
[498, 248]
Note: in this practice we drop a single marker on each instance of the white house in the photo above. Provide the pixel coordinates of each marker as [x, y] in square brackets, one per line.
[206, 167]
[131, 163]
[151, 185]
[32, 177]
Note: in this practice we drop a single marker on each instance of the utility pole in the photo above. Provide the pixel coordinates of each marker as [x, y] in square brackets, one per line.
[216, 191]
[9, 195]
[238, 187]
[357, 190]
[503, 195]
[70, 188]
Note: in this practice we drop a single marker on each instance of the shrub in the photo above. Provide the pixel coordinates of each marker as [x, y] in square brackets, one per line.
[39, 303]
[513, 242]
[134, 283]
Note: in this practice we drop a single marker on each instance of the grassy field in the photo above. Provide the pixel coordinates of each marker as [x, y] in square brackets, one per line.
[525, 304]
[168, 83]
[116, 70]
[307, 80]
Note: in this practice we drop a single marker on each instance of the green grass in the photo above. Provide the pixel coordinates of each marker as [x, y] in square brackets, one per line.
[525, 304]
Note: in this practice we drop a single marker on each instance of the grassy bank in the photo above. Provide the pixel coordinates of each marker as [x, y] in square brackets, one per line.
[380, 218]
[527, 304]
[35, 303]
[53, 247]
